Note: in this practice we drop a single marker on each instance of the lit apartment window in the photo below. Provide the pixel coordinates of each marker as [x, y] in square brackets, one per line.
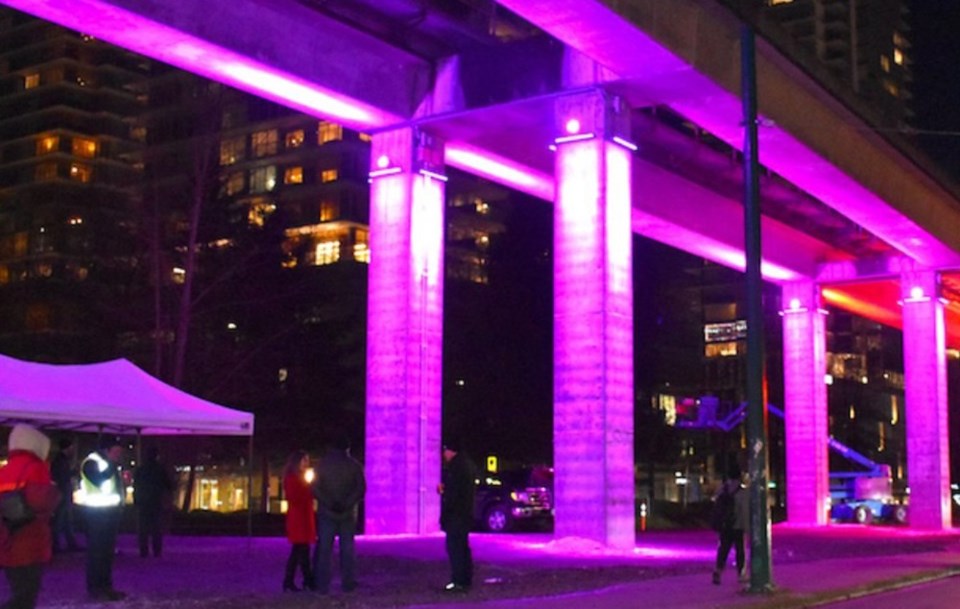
[329, 132]
[263, 143]
[898, 57]
[260, 210]
[364, 137]
[294, 139]
[234, 184]
[138, 134]
[327, 252]
[4, 274]
[891, 88]
[232, 150]
[84, 147]
[80, 172]
[361, 247]
[263, 179]
[884, 63]
[725, 349]
[776, 2]
[47, 144]
[46, 172]
[329, 175]
[293, 175]
[31, 81]
[329, 210]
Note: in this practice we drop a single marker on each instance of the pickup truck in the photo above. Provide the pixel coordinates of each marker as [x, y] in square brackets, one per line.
[506, 499]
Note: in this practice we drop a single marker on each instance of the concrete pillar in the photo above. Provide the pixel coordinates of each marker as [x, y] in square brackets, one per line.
[925, 379]
[593, 323]
[805, 407]
[404, 333]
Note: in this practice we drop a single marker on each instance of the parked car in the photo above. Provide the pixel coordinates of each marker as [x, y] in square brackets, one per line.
[506, 499]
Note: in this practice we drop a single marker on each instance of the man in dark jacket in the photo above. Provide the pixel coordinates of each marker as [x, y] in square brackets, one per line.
[63, 470]
[339, 487]
[151, 493]
[457, 492]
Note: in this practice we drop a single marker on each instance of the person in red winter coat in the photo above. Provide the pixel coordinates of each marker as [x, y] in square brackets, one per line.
[301, 520]
[24, 551]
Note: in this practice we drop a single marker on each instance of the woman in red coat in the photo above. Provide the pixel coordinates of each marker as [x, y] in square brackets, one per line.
[301, 520]
[24, 551]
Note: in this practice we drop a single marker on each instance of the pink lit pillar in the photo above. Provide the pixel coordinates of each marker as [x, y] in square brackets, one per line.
[593, 324]
[404, 333]
[805, 407]
[925, 378]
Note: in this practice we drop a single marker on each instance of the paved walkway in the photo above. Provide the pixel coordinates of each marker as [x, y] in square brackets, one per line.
[813, 579]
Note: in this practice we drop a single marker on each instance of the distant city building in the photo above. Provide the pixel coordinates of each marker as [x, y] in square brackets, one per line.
[65, 179]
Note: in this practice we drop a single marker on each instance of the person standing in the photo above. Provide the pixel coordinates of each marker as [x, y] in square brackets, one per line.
[339, 487]
[457, 491]
[301, 521]
[63, 470]
[24, 551]
[731, 516]
[152, 487]
[101, 494]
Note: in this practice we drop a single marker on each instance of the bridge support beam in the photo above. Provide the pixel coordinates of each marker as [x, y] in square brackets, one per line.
[404, 333]
[805, 407]
[925, 379]
[593, 324]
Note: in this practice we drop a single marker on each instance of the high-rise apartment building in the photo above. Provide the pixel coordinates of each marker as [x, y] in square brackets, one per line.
[864, 43]
[65, 238]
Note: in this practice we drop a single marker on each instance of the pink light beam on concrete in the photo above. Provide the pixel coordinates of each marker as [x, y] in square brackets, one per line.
[925, 380]
[805, 407]
[142, 35]
[593, 342]
[404, 341]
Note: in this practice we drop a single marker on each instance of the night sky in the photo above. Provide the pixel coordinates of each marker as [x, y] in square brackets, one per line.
[936, 55]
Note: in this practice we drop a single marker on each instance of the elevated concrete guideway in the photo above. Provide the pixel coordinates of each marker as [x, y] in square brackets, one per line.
[841, 205]
[682, 54]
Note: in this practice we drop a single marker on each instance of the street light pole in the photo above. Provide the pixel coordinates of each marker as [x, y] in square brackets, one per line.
[760, 568]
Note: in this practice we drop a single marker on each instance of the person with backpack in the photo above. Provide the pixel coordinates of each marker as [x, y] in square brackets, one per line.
[25, 550]
[730, 518]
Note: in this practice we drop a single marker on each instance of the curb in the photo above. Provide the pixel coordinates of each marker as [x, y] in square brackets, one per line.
[807, 601]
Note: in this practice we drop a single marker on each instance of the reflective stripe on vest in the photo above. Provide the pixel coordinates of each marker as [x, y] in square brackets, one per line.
[106, 494]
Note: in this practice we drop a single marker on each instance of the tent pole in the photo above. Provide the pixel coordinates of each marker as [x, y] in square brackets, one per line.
[250, 489]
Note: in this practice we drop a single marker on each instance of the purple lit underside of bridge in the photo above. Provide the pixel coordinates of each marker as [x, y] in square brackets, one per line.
[596, 207]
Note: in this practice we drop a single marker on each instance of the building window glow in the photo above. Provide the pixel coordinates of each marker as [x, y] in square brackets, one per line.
[329, 210]
[234, 184]
[263, 143]
[724, 349]
[361, 247]
[293, 175]
[364, 137]
[260, 210]
[84, 147]
[178, 275]
[232, 150]
[894, 410]
[31, 81]
[329, 132]
[853, 412]
[884, 63]
[263, 179]
[294, 139]
[329, 175]
[47, 144]
[80, 172]
[326, 252]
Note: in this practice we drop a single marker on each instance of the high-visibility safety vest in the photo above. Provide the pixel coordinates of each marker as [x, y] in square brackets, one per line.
[106, 494]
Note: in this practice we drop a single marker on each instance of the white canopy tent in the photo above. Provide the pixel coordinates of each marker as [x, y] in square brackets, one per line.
[114, 396]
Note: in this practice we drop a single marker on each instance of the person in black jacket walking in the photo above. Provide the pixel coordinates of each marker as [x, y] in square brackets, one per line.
[339, 487]
[457, 492]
